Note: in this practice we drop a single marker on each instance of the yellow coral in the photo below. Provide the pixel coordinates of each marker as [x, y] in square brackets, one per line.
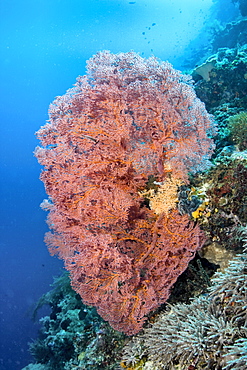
[165, 197]
[202, 210]
[138, 366]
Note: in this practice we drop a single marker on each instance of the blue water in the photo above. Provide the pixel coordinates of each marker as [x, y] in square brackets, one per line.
[43, 48]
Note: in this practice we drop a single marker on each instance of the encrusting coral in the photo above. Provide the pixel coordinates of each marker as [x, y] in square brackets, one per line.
[126, 121]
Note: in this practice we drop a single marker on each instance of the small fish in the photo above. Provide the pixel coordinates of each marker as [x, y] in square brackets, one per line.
[132, 2]
[153, 24]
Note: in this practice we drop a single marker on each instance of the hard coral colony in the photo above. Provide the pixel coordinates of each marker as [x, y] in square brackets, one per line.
[127, 123]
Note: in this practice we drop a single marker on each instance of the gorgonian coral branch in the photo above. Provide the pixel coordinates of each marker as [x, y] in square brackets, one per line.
[126, 121]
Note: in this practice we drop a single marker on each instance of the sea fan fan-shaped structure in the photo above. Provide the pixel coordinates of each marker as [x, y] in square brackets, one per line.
[128, 120]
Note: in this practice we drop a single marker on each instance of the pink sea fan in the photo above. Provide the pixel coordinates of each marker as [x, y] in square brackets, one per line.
[128, 120]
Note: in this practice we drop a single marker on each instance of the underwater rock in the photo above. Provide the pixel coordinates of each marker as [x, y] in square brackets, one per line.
[217, 254]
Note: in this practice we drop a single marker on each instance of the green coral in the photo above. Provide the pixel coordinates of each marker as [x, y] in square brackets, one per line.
[238, 130]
